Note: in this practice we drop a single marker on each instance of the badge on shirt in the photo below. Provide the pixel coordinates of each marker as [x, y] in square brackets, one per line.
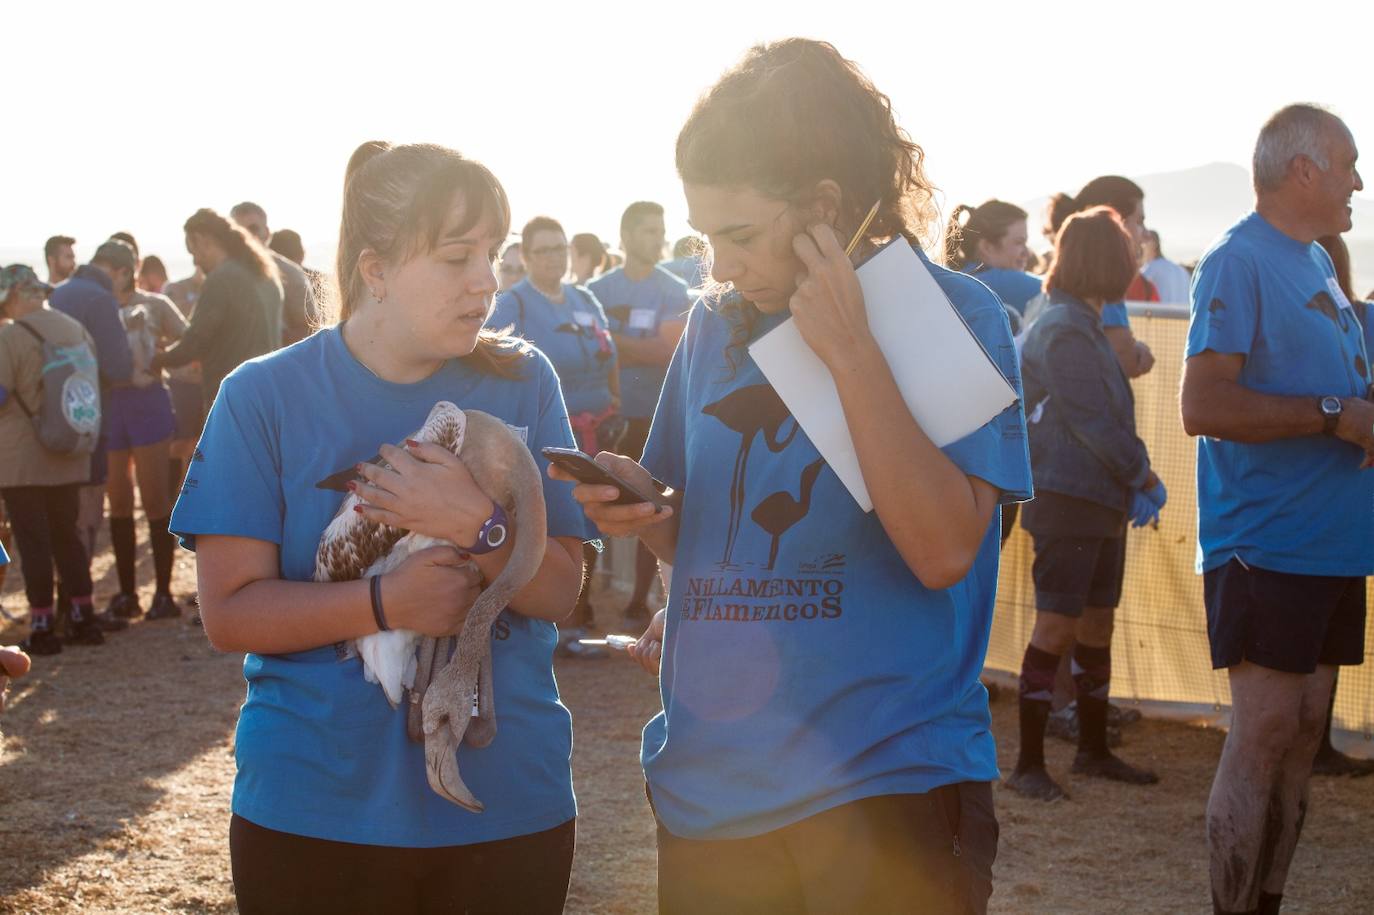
[643, 318]
[1337, 293]
[584, 318]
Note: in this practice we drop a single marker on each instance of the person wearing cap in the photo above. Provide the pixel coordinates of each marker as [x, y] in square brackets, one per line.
[40, 487]
[140, 427]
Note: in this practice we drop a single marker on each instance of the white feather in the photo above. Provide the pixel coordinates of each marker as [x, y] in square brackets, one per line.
[389, 657]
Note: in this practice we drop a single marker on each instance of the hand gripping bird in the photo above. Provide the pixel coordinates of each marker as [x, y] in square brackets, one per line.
[442, 710]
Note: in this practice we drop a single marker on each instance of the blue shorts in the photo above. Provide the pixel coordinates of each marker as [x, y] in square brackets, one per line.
[1071, 573]
[1281, 620]
[138, 417]
[188, 403]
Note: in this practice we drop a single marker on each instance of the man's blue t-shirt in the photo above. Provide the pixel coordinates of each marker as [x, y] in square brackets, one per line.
[1014, 287]
[805, 666]
[636, 308]
[320, 752]
[574, 336]
[691, 270]
[1299, 505]
[4, 557]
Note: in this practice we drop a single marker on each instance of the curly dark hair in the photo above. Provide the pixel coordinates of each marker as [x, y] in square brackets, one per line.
[791, 114]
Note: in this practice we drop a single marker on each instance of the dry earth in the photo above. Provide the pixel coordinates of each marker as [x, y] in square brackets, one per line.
[117, 765]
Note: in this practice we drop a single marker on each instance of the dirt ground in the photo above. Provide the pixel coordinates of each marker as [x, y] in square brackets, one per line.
[117, 764]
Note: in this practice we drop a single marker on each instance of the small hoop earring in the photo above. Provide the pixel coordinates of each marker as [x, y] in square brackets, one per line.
[380, 297]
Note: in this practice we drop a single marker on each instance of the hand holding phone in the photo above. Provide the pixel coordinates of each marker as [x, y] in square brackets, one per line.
[584, 469]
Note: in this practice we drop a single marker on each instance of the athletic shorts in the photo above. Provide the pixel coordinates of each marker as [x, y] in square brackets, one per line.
[1071, 573]
[139, 416]
[188, 403]
[1283, 621]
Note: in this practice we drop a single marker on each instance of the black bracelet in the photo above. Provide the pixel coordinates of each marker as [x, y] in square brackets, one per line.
[377, 614]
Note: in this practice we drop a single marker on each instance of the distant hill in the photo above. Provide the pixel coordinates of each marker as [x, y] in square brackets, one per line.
[1190, 208]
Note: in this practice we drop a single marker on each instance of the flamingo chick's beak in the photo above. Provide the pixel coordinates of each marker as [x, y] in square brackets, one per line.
[441, 767]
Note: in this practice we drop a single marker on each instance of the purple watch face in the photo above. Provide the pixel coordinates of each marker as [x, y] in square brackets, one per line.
[493, 533]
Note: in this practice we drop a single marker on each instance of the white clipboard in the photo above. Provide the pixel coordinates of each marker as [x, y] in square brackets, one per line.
[949, 382]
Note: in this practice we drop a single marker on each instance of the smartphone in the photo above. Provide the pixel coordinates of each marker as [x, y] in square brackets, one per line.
[585, 470]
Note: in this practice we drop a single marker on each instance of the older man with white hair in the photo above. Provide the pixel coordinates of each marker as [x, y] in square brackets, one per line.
[1277, 384]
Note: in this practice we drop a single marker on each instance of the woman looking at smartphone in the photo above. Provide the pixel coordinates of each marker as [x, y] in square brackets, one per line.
[332, 811]
[825, 744]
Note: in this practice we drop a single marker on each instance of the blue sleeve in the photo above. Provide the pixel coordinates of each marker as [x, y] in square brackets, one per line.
[998, 451]
[233, 484]
[4, 395]
[565, 516]
[1114, 315]
[112, 354]
[665, 452]
[1225, 307]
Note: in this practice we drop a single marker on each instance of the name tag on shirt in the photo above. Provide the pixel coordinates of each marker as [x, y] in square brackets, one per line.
[1337, 293]
[584, 318]
[643, 318]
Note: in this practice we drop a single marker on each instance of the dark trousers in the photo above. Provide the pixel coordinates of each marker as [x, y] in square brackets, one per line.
[43, 519]
[930, 853]
[277, 872]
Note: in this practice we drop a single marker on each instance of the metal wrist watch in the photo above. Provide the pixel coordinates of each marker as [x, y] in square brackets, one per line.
[492, 534]
[1331, 413]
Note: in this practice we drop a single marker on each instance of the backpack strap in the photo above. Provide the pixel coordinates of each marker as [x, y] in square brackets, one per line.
[41, 341]
[28, 327]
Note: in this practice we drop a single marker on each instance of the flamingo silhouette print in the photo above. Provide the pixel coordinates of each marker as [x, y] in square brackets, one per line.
[779, 511]
[749, 410]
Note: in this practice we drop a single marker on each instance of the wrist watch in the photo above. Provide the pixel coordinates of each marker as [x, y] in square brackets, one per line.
[492, 534]
[1331, 413]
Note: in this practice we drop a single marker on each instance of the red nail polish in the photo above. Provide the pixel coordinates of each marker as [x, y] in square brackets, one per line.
[358, 468]
[352, 486]
[412, 443]
[358, 509]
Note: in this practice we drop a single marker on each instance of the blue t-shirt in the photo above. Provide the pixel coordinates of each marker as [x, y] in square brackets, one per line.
[635, 308]
[1114, 315]
[320, 752]
[1298, 505]
[805, 665]
[691, 270]
[574, 336]
[4, 557]
[1014, 287]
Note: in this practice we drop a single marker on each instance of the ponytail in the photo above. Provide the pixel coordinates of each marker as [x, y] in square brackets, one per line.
[955, 258]
[989, 222]
[236, 242]
[1121, 194]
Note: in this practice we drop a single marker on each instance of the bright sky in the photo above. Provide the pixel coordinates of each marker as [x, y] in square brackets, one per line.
[142, 112]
